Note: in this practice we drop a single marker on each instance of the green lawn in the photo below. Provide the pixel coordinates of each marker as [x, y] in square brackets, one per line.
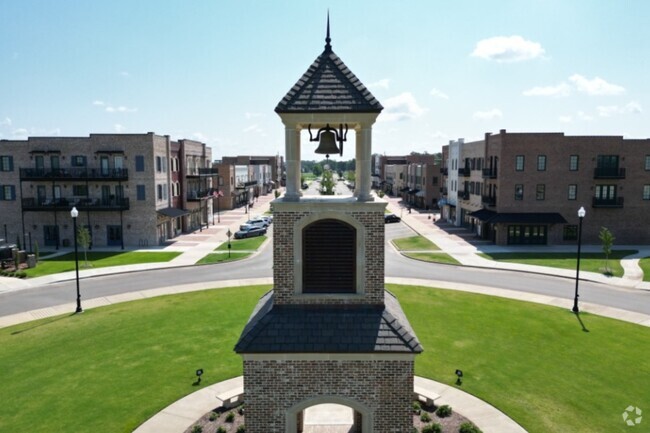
[98, 259]
[249, 244]
[222, 257]
[415, 243]
[434, 257]
[591, 262]
[645, 265]
[111, 368]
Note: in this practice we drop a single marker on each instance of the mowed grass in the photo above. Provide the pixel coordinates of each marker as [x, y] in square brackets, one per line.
[98, 259]
[109, 369]
[222, 257]
[434, 258]
[248, 244]
[591, 262]
[415, 243]
[644, 263]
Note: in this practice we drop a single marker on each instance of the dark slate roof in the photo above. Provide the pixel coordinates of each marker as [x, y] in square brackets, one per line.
[529, 218]
[328, 329]
[328, 86]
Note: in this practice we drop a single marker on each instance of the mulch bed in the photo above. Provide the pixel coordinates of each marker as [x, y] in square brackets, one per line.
[449, 424]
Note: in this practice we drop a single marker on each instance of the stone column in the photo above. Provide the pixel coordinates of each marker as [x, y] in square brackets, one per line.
[292, 150]
[363, 156]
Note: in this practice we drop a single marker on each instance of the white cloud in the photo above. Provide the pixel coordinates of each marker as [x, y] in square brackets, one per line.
[612, 110]
[98, 103]
[565, 119]
[199, 136]
[507, 49]
[19, 133]
[5, 122]
[595, 86]
[401, 107]
[253, 128]
[125, 74]
[384, 83]
[438, 134]
[584, 116]
[118, 128]
[562, 89]
[250, 115]
[494, 113]
[120, 109]
[438, 94]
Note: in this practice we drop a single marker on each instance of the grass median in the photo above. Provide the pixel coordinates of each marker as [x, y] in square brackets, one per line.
[111, 368]
[590, 262]
[239, 249]
[97, 259]
[644, 263]
[421, 248]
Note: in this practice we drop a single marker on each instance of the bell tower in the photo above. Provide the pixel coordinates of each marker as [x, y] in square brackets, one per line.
[328, 332]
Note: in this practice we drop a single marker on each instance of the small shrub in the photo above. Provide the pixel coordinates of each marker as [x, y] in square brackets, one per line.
[241, 409]
[432, 428]
[221, 430]
[417, 407]
[241, 429]
[230, 417]
[197, 429]
[443, 411]
[380, 193]
[213, 416]
[468, 427]
[425, 417]
[21, 274]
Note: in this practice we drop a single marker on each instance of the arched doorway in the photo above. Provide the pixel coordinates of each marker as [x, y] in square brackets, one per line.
[329, 414]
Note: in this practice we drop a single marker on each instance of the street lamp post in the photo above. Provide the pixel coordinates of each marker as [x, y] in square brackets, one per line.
[74, 213]
[229, 233]
[581, 215]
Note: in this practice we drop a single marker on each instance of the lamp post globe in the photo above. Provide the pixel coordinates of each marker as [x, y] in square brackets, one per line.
[581, 215]
[74, 213]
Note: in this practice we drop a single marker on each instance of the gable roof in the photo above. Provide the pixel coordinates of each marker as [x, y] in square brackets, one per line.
[328, 329]
[328, 86]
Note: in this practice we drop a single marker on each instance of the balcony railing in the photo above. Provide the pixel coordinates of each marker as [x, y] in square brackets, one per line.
[609, 173]
[489, 201]
[463, 195]
[464, 172]
[82, 204]
[202, 172]
[444, 171]
[489, 173]
[74, 173]
[607, 202]
[199, 194]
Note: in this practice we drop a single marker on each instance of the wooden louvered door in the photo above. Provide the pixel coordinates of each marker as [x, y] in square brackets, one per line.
[329, 257]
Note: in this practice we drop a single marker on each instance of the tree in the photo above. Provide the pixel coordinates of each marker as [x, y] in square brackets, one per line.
[83, 240]
[607, 239]
[317, 170]
[327, 184]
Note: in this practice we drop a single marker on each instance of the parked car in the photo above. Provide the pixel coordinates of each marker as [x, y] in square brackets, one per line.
[256, 222]
[391, 218]
[249, 231]
[267, 218]
[305, 186]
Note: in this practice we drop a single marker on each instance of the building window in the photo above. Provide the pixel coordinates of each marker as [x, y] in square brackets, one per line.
[164, 164]
[159, 189]
[541, 162]
[573, 192]
[140, 192]
[540, 192]
[7, 192]
[606, 192]
[519, 163]
[527, 235]
[78, 161]
[139, 163]
[573, 163]
[435, 180]
[159, 164]
[570, 233]
[646, 192]
[6, 163]
[519, 191]
[647, 162]
[79, 190]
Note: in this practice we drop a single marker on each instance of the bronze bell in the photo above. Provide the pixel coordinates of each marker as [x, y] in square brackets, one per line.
[327, 144]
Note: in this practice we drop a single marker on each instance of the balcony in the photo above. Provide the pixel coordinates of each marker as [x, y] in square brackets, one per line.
[489, 173]
[202, 172]
[199, 194]
[443, 190]
[444, 171]
[463, 195]
[609, 173]
[82, 204]
[75, 173]
[616, 202]
[464, 172]
[489, 201]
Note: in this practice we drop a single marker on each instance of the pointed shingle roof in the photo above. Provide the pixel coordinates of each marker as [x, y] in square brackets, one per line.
[328, 86]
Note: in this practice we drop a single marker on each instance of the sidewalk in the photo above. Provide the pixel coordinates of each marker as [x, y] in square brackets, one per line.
[451, 241]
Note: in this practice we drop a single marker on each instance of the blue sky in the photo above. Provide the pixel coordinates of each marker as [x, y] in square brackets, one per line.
[215, 70]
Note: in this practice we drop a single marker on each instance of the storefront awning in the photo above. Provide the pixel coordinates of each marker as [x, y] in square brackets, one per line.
[414, 191]
[483, 214]
[404, 189]
[173, 212]
[528, 218]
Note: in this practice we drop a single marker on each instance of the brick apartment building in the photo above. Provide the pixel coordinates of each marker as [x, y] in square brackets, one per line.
[129, 189]
[416, 178]
[526, 188]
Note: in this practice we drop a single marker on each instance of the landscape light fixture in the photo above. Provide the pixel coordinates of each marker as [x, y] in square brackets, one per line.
[199, 372]
[74, 213]
[229, 233]
[328, 137]
[459, 374]
[581, 215]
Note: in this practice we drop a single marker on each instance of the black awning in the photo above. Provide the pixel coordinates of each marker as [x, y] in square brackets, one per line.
[404, 189]
[414, 191]
[173, 212]
[483, 215]
[529, 218]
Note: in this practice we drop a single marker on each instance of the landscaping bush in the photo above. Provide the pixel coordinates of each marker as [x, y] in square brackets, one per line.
[432, 428]
[197, 429]
[241, 409]
[241, 429]
[425, 417]
[468, 427]
[213, 416]
[417, 407]
[443, 411]
[221, 430]
[230, 417]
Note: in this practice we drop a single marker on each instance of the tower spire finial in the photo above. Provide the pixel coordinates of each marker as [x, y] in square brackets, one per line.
[328, 39]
